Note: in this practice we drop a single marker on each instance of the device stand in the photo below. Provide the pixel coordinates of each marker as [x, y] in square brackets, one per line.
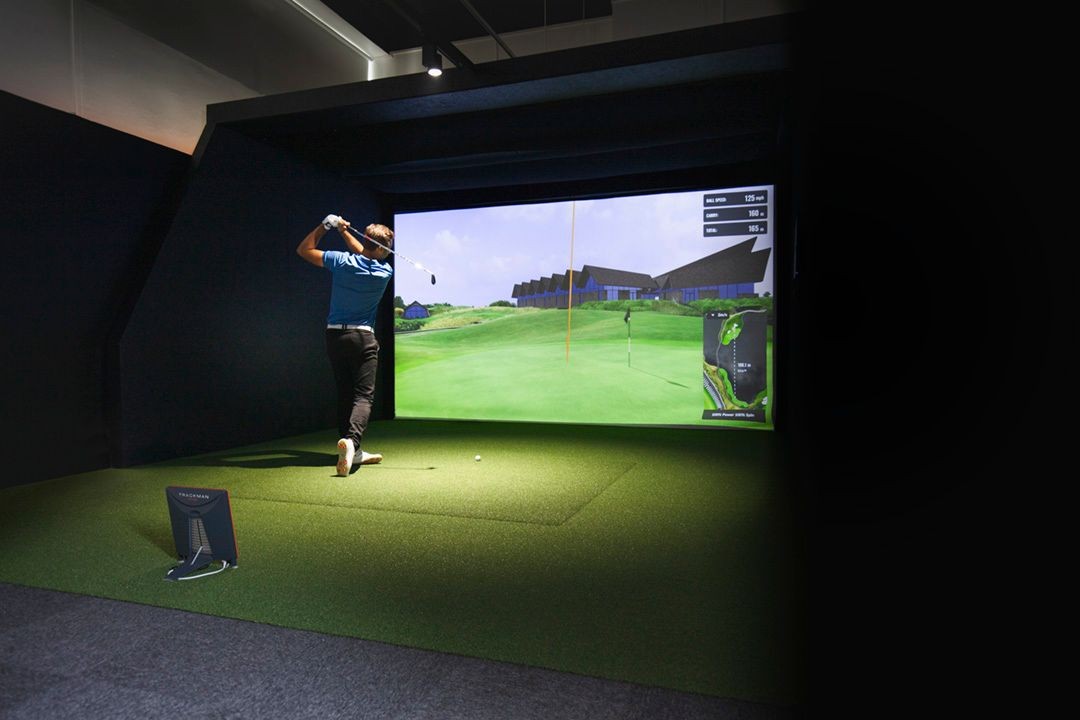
[186, 568]
[197, 562]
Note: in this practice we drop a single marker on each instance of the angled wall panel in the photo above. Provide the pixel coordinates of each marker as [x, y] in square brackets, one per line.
[225, 345]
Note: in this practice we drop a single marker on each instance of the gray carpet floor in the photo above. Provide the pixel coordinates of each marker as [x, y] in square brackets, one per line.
[66, 656]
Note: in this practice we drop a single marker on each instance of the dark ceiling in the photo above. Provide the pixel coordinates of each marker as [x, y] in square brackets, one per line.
[397, 25]
[278, 46]
[685, 104]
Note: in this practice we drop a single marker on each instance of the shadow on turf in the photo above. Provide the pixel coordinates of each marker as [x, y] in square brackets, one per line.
[279, 459]
[158, 534]
[265, 460]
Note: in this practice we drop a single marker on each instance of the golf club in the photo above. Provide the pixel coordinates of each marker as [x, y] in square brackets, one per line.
[416, 264]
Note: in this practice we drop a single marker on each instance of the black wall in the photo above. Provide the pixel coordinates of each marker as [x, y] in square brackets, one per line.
[226, 344]
[82, 208]
[932, 158]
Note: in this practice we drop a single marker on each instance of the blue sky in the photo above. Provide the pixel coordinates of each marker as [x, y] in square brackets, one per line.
[478, 254]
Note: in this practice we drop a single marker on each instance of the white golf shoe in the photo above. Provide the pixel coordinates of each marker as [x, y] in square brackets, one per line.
[345, 451]
[367, 458]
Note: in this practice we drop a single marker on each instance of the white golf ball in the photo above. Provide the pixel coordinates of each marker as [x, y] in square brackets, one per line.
[477, 458]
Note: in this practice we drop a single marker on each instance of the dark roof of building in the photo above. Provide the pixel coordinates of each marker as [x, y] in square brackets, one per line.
[415, 303]
[608, 276]
[736, 264]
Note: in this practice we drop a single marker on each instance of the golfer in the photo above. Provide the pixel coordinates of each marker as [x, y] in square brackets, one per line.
[359, 279]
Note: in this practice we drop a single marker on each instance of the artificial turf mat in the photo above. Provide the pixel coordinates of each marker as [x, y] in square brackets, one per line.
[523, 480]
[661, 557]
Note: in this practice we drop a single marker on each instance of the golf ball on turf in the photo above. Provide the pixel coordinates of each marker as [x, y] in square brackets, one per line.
[477, 458]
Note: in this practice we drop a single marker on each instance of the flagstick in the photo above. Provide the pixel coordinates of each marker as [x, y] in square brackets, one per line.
[627, 341]
[570, 299]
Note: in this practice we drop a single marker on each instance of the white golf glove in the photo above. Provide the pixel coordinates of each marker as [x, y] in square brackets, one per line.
[331, 222]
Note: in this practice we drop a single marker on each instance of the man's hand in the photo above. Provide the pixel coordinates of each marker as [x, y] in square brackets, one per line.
[334, 222]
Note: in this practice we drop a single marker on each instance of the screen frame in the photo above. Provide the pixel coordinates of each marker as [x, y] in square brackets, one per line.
[697, 179]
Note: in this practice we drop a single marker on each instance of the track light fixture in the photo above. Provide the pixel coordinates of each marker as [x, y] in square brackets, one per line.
[432, 60]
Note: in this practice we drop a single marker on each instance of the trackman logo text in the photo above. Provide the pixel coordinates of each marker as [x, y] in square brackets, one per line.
[194, 495]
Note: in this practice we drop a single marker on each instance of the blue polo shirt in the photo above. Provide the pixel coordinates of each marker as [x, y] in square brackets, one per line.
[357, 287]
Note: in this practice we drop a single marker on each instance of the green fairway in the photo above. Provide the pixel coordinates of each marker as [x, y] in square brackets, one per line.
[663, 557]
[515, 367]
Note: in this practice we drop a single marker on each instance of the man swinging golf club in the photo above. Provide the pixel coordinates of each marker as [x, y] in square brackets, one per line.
[359, 279]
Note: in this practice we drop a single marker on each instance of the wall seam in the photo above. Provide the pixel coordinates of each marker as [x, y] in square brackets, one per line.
[76, 98]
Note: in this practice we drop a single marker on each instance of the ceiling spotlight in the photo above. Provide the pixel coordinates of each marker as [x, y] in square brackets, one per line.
[432, 60]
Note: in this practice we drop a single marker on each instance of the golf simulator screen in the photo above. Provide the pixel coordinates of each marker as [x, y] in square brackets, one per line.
[644, 309]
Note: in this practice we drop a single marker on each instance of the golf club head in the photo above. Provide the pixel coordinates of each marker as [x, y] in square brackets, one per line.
[432, 279]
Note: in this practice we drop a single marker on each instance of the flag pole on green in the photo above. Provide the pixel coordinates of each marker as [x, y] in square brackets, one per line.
[626, 319]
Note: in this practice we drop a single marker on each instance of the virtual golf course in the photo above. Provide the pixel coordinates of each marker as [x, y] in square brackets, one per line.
[507, 363]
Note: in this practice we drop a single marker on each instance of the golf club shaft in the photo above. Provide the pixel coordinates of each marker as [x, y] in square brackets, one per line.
[403, 257]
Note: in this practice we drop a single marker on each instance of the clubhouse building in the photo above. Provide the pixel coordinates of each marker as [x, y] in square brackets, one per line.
[729, 273]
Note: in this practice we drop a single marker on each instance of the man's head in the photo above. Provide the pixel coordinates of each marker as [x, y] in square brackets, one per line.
[382, 235]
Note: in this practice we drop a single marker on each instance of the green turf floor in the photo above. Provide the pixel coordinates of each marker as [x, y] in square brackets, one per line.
[662, 557]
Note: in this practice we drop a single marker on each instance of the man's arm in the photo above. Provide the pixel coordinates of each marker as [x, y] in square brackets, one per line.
[354, 245]
[308, 247]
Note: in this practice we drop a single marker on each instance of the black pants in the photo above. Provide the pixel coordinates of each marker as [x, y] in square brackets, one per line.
[354, 355]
